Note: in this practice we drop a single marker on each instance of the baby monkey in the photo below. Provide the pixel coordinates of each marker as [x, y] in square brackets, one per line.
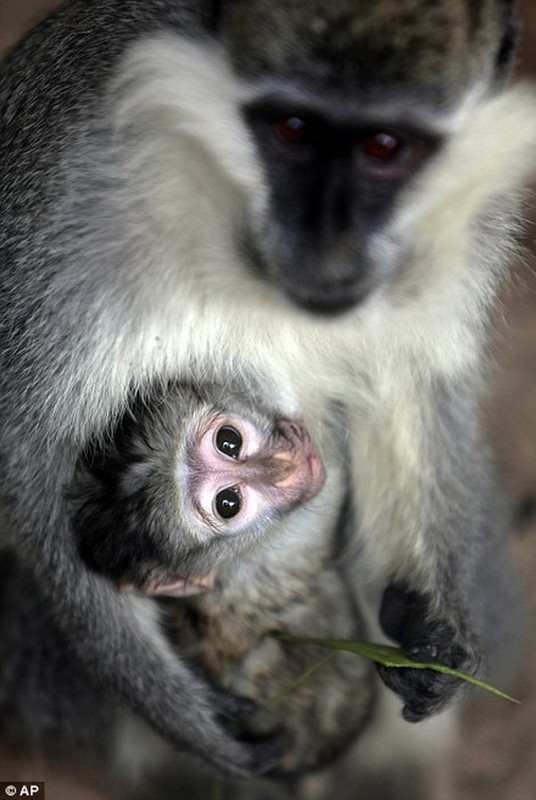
[190, 497]
[188, 479]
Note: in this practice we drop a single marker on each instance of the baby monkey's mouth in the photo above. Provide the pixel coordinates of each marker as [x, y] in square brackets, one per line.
[305, 474]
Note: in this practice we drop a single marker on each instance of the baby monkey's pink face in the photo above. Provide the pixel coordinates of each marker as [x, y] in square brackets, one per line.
[234, 477]
[239, 476]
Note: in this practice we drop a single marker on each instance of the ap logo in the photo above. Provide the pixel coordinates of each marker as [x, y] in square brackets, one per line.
[35, 790]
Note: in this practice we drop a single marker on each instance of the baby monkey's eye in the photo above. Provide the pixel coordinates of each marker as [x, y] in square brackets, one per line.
[229, 441]
[228, 502]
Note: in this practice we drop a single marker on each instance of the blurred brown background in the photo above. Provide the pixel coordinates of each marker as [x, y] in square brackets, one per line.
[496, 759]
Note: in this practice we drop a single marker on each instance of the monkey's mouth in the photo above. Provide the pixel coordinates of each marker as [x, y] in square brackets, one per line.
[307, 475]
[328, 304]
[330, 298]
[321, 297]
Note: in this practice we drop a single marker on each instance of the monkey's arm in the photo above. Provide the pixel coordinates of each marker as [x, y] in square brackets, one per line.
[52, 689]
[436, 520]
[117, 643]
[113, 638]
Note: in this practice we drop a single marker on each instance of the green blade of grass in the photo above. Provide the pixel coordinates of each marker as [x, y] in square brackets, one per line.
[389, 657]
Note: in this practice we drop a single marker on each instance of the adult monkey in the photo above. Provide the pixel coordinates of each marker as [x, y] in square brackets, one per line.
[201, 189]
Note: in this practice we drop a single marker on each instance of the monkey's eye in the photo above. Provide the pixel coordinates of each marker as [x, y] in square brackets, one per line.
[229, 441]
[381, 146]
[292, 130]
[228, 502]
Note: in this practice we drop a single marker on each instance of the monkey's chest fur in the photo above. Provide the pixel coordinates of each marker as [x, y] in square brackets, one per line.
[318, 700]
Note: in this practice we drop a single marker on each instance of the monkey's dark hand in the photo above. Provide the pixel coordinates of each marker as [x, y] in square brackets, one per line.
[405, 617]
[239, 753]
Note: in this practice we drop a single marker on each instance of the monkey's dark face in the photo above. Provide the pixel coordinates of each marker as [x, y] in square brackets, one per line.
[348, 101]
[333, 181]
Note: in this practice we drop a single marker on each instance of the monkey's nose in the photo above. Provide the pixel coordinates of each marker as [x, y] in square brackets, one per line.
[280, 469]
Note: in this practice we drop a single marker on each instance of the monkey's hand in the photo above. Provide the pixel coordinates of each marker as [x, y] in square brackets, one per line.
[236, 753]
[405, 617]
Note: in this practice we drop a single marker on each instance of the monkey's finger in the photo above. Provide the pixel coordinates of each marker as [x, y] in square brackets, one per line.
[439, 650]
[259, 756]
[233, 706]
[423, 692]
